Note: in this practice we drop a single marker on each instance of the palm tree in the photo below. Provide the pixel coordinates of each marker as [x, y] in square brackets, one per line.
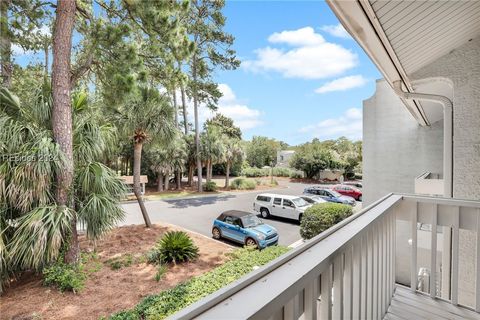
[146, 115]
[167, 158]
[212, 148]
[34, 227]
[233, 152]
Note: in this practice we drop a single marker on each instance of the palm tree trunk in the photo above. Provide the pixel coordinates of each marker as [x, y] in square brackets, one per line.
[190, 175]
[227, 175]
[62, 112]
[5, 45]
[160, 182]
[137, 160]
[179, 179]
[197, 128]
[167, 180]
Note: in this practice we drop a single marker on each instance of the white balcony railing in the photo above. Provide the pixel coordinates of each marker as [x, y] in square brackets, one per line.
[348, 271]
[429, 184]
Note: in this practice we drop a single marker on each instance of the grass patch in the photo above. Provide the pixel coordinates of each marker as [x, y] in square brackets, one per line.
[168, 302]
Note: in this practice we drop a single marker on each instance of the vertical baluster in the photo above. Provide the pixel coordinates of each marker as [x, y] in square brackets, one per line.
[326, 291]
[394, 253]
[379, 270]
[385, 262]
[433, 254]
[311, 297]
[364, 267]
[477, 274]
[370, 275]
[455, 241]
[357, 279]
[289, 310]
[413, 261]
[348, 284]
[338, 287]
[375, 272]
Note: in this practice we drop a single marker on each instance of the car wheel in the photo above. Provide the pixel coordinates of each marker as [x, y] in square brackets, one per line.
[216, 233]
[360, 198]
[264, 212]
[251, 242]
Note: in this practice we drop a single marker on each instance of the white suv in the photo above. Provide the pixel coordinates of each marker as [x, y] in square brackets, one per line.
[280, 205]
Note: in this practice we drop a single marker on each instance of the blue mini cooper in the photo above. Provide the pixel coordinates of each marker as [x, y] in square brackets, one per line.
[245, 228]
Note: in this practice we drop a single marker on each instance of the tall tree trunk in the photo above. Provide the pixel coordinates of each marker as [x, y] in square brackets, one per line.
[190, 175]
[5, 45]
[167, 180]
[184, 109]
[160, 181]
[62, 111]
[175, 106]
[137, 189]
[178, 179]
[197, 129]
[227, 175]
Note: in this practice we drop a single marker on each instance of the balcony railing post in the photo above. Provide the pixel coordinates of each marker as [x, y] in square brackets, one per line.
[477, 274]
[326, 294]
[433, 257]
[413, 267]
[455, 247]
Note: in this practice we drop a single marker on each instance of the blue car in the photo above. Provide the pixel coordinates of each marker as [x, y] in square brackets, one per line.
[330, 195]
[245, 228]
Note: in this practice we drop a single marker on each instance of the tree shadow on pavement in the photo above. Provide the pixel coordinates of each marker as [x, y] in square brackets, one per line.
[197, 202]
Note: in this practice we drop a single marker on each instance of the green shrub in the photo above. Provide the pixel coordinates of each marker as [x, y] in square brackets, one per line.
[120, 262]
[65, 277]
[296, 175]
[170, 301]
[322, 216]
[253, 172]
[162, 269]
[210, 186]
[282, 172]
[176, 246]
[242, 184]
[153, 256]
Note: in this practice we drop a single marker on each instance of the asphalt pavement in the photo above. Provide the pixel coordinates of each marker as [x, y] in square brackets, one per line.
[197, 213]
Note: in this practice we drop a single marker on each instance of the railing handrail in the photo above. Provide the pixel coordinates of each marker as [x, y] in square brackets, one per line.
[442, 201]
[221, 295]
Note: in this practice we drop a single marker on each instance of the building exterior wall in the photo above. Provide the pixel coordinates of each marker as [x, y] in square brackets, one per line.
[462, 68]
[395, 148]
[283, 158]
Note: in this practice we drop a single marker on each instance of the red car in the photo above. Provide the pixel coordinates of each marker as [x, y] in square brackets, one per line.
[348, 191]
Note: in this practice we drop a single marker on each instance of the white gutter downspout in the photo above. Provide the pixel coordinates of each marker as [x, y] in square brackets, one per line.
[447, 131]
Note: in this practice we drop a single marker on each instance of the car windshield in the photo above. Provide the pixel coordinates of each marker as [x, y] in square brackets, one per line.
[308, 199]
[334, 193]
[251, 221]
[299, 202]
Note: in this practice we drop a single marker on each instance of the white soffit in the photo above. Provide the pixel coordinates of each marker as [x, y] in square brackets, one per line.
[422, 31]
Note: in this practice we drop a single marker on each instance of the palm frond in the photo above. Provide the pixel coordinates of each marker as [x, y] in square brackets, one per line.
[39, 237]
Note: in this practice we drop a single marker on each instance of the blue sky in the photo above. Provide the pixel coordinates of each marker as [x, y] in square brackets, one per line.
[302, 76]
[289, 49]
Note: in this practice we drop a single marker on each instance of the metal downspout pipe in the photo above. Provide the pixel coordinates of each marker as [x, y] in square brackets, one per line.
[447, 131]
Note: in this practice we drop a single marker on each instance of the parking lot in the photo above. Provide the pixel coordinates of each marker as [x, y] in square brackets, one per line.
[197, 214]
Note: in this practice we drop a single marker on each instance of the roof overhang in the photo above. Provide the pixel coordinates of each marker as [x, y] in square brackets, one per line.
[401, 37]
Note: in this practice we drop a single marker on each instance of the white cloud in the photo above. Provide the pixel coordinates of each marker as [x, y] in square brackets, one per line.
[228, 105]
[336, 31]
[342, 84]
[301, 37]
[349, 124]
[310, 58]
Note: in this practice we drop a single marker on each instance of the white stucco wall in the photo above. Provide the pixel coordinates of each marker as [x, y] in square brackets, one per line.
[462, 68]
[395, 148]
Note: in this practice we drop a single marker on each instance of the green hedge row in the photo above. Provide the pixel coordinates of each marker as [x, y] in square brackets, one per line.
[253, 172]
[168, 302]
[322, 216]
[242, 184]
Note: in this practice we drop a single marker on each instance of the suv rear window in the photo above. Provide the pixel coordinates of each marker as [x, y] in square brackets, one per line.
[263, 198]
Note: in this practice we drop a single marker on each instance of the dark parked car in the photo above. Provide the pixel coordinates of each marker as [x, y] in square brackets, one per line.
[349, 191]
[330, 195]
[244, 227]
